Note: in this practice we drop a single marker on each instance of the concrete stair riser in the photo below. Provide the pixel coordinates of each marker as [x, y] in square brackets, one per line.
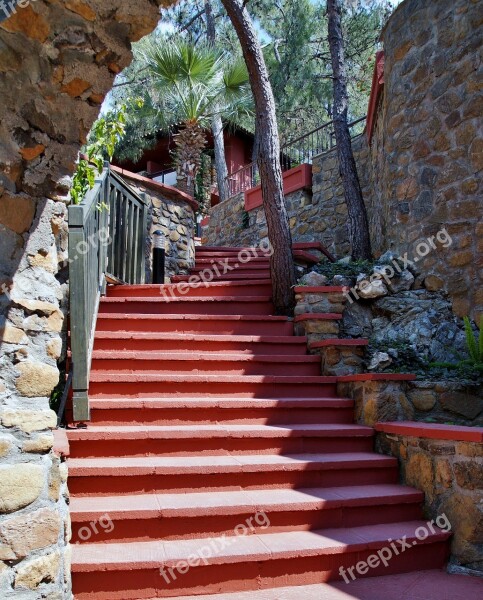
[247, 345]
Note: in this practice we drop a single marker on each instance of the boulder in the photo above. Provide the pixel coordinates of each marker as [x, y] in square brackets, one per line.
[371, 289]
[379, 361]
[314, 279]
[401, 282]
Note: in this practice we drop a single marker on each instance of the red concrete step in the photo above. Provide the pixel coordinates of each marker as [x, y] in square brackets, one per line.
[185, 342]
[217, 440]
[204, 260]
[245, 287]
[190, 411]
[181, 474]
[305, 257]
[232, 276]
[201, 323]
[193, 305]
[246, 269]
[148, 569]
[151, 385]
[227, 249]
[193, 363]
[178, 516]
[433, 584]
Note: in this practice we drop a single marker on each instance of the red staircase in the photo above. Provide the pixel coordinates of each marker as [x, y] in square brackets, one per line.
[209, 420]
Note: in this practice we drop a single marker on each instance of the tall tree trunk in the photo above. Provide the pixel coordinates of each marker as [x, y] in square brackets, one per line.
[358, 223]
[217, 123]
[282, 264]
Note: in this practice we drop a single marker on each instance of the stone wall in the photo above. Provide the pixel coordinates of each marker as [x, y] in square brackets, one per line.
[450, 475]
[427, 149]
[172, 212]
[58, 59]
[316, 215]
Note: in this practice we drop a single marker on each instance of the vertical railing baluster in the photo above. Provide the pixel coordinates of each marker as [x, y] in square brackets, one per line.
[129, 251]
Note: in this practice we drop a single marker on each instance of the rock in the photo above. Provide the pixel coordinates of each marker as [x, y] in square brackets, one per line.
[422, 399]
[388, 257]
[54, 348]
[34, 306]
[33, 572]
[28, 420]
[16, 212]
[344, 261]
[28, 22]
[469, 475]
[433, 283]
[357, 321]
[342, 281]
[41, 443]
[314, 279]
[467, 405]
[36, 379]
[401, 282]
[6, 443]
[33, 152]
[443, 474]
[371, 289]
[379, 361]
[20, 485]
[466, 518]
[419, 473]
[81, 8]
[21, 536]
[12, 335]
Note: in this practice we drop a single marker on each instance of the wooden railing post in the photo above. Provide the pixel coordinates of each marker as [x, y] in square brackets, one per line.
[78, 304]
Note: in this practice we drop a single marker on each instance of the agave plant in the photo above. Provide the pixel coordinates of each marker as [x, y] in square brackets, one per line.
[193, 83]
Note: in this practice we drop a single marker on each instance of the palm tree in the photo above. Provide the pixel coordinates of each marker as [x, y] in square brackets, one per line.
[193, 83]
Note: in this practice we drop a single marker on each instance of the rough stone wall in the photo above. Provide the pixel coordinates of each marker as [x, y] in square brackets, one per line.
[176, 219]
[427, 151]
[450, 475]
[58, 59]
[320, 215]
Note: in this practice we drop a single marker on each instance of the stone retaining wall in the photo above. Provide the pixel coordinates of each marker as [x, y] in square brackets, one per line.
[317, 215]
[172, 212]
[57, 62]
[450, 473]
[427, 148]
[435, 401]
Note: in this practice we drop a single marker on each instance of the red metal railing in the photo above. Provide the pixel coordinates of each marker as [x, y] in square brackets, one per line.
[298, 151]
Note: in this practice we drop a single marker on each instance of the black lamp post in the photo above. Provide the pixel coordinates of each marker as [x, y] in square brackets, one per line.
[159, 256]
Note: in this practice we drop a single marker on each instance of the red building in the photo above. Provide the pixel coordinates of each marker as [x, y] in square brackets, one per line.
[157, 163]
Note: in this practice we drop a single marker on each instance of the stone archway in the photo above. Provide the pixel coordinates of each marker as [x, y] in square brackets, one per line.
[58, 59]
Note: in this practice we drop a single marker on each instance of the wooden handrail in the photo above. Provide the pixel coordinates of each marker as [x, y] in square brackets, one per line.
[107, 237]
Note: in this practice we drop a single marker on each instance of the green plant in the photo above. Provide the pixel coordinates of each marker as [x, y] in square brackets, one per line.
[245, 220]
[105, 134]
[347, 269]
[475, 346]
